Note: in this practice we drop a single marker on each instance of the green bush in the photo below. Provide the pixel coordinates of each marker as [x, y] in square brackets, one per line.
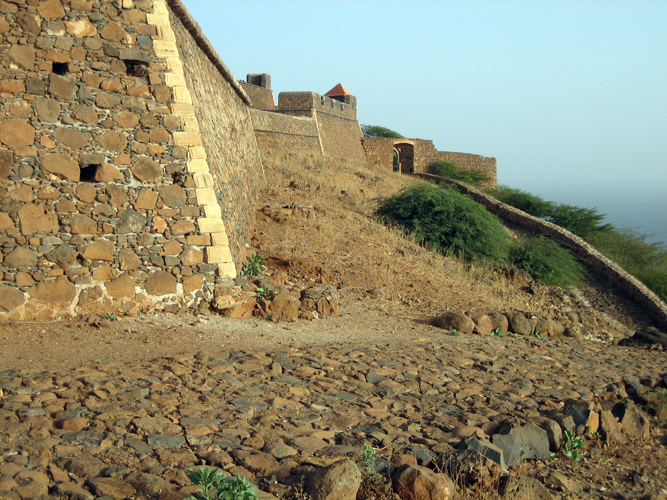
[529, 203]
[378, 131]
[547, 261]
[448, 221]
[645, 261]
[452, 171]
[578, 220]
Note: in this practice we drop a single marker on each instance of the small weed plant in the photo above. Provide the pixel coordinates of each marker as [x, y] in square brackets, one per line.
[454, 333]
[265, 292]
[572, 444]
[497, 333]
[112, 317]
[254, 265]
[539, 335]
[513, 335]
[226, 488]
[368, 457]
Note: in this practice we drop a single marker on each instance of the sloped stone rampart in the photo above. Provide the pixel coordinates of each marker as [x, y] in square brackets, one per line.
[277, 132]
[601, 264]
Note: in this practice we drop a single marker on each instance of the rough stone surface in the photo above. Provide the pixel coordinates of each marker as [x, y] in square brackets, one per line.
[455, 321]
[339, 481]
[414, 482]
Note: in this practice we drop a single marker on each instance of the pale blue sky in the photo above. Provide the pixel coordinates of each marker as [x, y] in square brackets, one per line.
[569, 96]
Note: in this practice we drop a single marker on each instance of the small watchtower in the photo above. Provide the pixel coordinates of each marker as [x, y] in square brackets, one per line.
[340, 93]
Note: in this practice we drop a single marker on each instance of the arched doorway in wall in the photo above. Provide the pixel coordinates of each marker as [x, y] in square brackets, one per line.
[404, 157]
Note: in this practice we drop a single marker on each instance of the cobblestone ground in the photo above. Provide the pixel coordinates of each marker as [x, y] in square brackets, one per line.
[132, 429]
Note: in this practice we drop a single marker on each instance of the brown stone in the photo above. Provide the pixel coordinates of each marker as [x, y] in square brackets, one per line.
[6, 221]
[24, 279]
[159, 136]
[66, 207]
[81, 27]
[6, 163]
[21, 257]
[71, 138]
[85, 113]
[182, 227]
[106, 172]
[112, 31]
[112, 487]
[117, 195]
[193, 283]
[123, 286]
[126, 119]
[62, 86]
[23, 55]
[100, 250]
[284, 306]
[86, 192]
[172, 247]
[83, 5]
[106, 100]
[454, 321]
[113, 141]
[192, 257]
[61, 165]
[413, 482]
[147, 170]
[161, 283]
[10, 298]
[57, 292]
[35, 219]
[82, 224]
[29, 22]
[4, 25]
[17, 133]
[21, 192]
[339, 481]
[242, 309]
[129, 261]
[90, 295]
[12, 86]
[51, 8]
[173, 196]
[483, 324]
[138, 88]
[146, 200]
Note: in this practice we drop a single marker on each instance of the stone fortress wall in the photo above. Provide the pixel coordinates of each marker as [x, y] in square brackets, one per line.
[128, 163]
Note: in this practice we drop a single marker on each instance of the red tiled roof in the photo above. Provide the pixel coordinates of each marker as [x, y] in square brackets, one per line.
[338, 90]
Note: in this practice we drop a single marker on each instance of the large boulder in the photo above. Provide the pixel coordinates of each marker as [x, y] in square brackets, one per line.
[648, 335]
[321, 298]
[454, 321]
[519, 323]
[339, 481]
[414, 482]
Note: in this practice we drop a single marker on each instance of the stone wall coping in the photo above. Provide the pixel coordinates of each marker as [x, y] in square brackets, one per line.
[196, 32]
[624, 280]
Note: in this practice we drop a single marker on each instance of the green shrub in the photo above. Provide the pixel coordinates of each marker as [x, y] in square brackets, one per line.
[529, 203]
[452, 171]
[578, 220]
[448, 221]
[378, 131]
[547, 261]
[645, 261]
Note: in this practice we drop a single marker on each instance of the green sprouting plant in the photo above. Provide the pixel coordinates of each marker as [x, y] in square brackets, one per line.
[226, 488]
[112, 317]
[513, 335]
[368, 457]
[265, 292]
[572, 444]
[497, 333]
[539, 335]
[454, 333]
[254, 265]
[270, 317]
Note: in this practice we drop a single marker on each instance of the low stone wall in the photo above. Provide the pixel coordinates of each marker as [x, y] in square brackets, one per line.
[598, 262]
